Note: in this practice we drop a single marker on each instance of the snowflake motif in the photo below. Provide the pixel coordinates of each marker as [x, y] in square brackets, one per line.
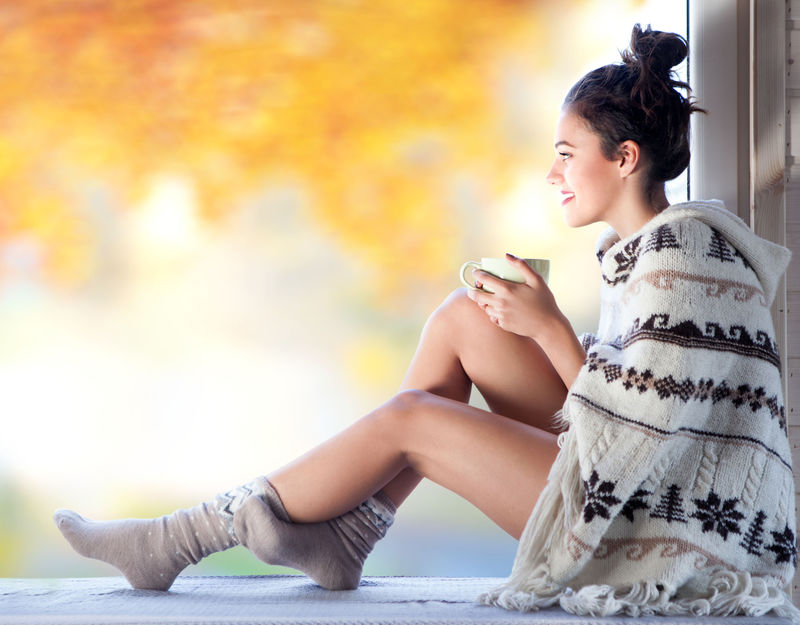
[598, 498]
[636, 502]
[784, 547]
[717, 515]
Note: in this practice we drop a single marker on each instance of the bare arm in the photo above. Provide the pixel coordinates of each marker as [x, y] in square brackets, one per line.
[559, 342]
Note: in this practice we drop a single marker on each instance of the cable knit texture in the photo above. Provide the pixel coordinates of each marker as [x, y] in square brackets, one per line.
[672, 492]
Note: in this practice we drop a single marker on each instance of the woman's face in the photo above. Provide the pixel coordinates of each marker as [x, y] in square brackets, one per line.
[590, 184]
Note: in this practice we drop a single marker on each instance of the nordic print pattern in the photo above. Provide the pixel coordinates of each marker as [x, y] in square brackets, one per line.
[637, 273]
[703, 389]
[723, 251]
[713, 514]
[712, 286]
[625, 260]
[228, 503]
[686, 333]
[741, 440]
[664, 238]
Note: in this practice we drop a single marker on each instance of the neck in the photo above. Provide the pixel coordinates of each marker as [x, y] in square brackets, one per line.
[659, 200]
[639, 212]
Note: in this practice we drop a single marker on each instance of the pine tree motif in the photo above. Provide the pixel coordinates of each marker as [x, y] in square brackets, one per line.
[598, 498]
[752, 541]
[784, 546]
[719, 249]
[636, 502]
[717, 515]
[671, 506]
[662, 238]
[739, 255]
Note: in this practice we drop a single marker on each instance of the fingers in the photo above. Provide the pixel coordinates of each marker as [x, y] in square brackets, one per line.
[483, 299]
[483, 278]
[488, 303]
[499, 289]
[524, 268]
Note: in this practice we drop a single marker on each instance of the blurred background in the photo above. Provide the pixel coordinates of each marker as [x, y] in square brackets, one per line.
[223, 225]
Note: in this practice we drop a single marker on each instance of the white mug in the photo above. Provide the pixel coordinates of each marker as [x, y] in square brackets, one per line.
[501, 268]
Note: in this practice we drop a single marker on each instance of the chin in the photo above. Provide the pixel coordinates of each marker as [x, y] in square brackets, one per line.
[579, 219]
[575, 221]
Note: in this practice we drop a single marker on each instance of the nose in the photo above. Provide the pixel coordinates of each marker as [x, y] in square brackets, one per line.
[554, 175]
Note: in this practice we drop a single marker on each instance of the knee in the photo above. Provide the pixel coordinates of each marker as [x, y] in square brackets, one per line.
[408, 403]
[455, 310]
[403, 415]
[399, 413]
[458, 302]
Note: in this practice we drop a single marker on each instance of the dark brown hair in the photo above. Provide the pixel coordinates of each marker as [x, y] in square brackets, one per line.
[638, 100]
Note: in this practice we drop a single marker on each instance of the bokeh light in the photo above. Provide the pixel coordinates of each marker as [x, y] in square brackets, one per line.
[223, 224]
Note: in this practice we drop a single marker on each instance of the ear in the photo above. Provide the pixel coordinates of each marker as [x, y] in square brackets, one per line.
[629, 158]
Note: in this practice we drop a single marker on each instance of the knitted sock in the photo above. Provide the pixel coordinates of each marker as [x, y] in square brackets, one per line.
[150, 553]
[332, 553]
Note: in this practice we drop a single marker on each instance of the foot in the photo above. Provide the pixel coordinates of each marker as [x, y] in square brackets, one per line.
[320, 550]
[138, 548]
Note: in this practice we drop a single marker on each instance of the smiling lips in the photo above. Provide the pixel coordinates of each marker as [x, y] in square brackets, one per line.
[566, 196]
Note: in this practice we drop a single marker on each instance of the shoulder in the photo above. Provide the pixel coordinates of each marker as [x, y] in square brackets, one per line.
[690, 238]
[674, 240]
[698, 244]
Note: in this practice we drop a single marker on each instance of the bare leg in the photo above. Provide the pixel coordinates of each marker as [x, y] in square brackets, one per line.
[460, 347]
[497, 463]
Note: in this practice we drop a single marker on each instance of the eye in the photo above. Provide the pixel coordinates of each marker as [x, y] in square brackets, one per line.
[564, 156]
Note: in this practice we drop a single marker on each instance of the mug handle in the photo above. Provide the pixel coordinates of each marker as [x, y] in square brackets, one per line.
[464, 267]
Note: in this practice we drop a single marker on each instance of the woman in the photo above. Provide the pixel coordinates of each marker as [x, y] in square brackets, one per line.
[671, 489]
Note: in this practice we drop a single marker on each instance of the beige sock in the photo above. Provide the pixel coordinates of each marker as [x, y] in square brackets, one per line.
[332, 553]
[150, 553]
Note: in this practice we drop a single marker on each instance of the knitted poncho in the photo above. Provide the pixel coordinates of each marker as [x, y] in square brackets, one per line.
[672, 492]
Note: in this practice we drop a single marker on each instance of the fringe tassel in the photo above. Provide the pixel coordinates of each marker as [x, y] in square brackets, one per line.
[530, 585]
[729, 594]
[739, 593]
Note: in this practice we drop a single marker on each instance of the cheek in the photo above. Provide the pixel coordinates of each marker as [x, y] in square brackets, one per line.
[591, 182]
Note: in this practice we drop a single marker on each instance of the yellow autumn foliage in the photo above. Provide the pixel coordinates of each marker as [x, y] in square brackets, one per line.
[377, 107]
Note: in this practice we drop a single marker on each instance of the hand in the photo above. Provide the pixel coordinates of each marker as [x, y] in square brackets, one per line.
[527, 309]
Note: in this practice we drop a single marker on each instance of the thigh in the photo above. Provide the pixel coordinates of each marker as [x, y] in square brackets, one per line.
[460, 346]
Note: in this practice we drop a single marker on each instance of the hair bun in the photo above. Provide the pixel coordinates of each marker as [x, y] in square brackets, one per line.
[655, 51]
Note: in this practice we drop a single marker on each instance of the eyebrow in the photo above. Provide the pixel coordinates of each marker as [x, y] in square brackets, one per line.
[560, 143]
